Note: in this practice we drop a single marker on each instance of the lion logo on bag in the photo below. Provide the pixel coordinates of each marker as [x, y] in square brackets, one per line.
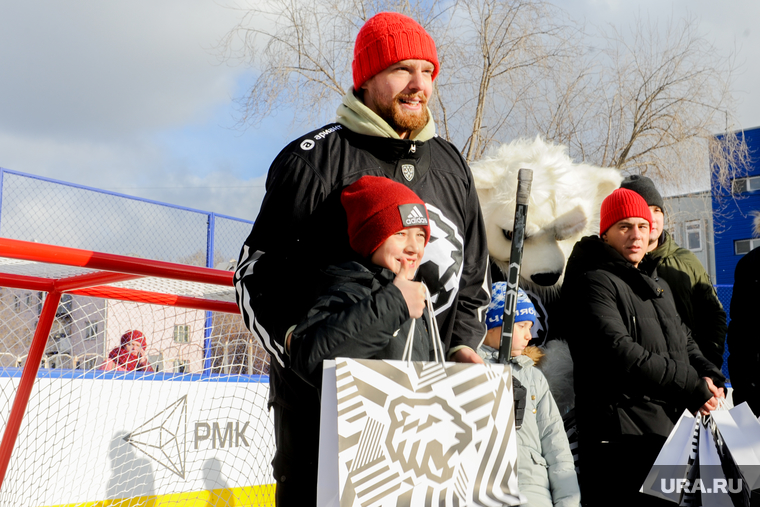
[413, 437]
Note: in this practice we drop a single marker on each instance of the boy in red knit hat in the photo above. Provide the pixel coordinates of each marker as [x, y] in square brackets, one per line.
[370, 306]
[368, 310]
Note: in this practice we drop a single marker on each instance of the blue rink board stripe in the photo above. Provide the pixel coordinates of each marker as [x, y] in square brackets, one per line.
[122, 375]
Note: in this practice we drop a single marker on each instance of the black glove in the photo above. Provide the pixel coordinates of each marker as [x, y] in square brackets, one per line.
[521, 398]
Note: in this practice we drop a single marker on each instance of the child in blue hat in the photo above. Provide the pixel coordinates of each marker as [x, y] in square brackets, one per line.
[545, 469]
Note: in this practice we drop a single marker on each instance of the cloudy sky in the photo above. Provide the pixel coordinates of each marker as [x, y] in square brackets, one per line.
[131, 97]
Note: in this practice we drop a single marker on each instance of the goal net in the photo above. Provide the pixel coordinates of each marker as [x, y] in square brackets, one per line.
[182, 421]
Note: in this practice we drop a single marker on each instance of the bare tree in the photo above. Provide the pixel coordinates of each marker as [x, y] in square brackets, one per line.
[491, 51]
[302, 52]
[495, 53]
[648, 100]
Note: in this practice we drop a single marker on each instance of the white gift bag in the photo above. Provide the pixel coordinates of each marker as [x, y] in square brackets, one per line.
[740, 431]
[711, 475]
[674, 460]
[404, 433]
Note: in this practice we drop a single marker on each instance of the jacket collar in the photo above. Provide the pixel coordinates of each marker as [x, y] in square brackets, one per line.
[591, 252]
[357, 117]
[361, 272]
[666, 248]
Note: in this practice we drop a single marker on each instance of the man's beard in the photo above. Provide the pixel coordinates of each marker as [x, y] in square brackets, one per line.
[404, 121]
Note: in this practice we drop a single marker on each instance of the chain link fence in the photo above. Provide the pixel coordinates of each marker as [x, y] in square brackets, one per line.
[53, 212]
[724, 295]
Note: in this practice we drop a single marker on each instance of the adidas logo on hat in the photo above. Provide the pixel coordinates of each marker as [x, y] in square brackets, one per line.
[413, 214]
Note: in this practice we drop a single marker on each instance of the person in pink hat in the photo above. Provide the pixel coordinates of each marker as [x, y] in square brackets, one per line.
[130, 355]
[385, 129]
[636, 366]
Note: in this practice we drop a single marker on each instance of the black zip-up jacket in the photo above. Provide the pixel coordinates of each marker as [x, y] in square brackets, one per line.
[363, 315]
[636, 366]
[302, 228]
[743, 336]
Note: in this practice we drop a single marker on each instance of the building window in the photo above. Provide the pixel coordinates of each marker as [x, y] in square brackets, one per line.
[749, 184]
[64, 306]
[744, 246]
[90, 331]
[694, 235]
[17, 302]
[182, 333]
[675, 232]
[181, 366]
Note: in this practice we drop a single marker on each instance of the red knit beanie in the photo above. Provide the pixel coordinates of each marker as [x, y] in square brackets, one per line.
[379, 207]
[388, 38]
[134, 336]
[620, 204]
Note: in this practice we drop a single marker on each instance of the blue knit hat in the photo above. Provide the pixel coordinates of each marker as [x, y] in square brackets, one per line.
[495, 313]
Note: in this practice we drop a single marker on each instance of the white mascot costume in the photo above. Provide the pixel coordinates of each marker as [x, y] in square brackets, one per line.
[564, 205]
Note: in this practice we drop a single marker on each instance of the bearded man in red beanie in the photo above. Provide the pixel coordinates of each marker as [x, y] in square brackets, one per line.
[383, 128]
[636, 366]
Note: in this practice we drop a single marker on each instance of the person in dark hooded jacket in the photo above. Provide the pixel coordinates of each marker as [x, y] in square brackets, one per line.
[696, 301]
[636, 365]
[743, 337]
[369, 308]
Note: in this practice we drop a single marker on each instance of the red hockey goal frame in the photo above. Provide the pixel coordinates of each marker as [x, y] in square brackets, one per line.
[104, 269]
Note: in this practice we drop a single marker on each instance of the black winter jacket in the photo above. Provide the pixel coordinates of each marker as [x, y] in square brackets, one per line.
[743, 336]
[363, 315]
[301, 229]
[636, 366]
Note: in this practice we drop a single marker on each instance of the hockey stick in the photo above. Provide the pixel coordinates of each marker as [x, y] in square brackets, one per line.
[524, 179]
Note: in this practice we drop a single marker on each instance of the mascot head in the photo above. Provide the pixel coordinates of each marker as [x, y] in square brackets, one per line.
[564, 205]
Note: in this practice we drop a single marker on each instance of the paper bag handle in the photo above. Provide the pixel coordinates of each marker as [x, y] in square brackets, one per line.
[435, 334]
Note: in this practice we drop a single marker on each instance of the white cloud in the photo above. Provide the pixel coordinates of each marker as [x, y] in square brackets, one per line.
[129, 96]
[730, 26]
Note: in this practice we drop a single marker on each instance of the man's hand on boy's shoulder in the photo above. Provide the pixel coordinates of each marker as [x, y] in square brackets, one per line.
[413, 292]
[466, 355]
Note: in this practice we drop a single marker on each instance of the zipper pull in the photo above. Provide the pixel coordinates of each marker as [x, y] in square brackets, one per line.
[413, 148]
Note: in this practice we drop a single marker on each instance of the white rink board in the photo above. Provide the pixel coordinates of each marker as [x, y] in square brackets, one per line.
[71, 446]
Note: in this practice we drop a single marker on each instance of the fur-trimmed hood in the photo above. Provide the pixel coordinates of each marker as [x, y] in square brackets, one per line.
[534, 354]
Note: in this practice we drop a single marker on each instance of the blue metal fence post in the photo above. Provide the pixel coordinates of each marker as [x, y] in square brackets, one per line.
[207, 345]
[2, 181]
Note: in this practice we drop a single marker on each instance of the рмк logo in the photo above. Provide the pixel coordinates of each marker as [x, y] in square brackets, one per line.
[162, 438]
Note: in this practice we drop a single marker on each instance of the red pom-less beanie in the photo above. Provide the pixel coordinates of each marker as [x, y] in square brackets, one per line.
[388, 38]
[620, 204]
[377, 208]
[134, 336]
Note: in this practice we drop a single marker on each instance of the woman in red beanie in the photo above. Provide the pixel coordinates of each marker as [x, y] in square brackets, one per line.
[130, 355]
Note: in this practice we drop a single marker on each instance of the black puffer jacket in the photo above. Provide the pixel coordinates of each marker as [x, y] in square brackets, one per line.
[362, 315]
[636, 365]
[743, 337]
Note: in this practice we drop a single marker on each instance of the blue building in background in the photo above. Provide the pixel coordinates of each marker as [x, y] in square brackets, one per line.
[732, 214]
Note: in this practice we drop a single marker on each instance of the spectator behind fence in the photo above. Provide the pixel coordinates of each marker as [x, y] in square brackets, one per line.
[696, 301]
[130, 355]
[743, 336]
[636, 366]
